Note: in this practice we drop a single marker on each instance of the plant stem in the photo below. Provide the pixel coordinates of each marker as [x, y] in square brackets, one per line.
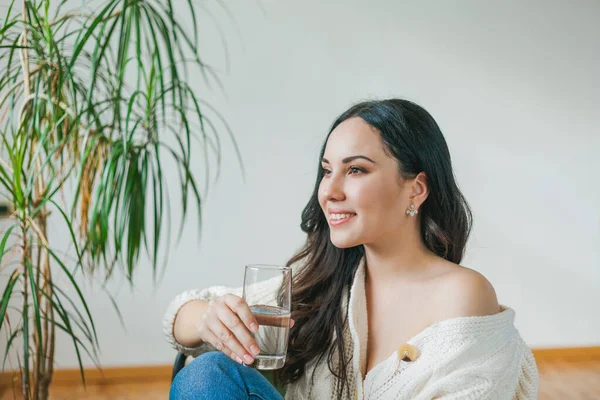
[25, 250]
[39, 364]
[49, 337]
[43, 268]
[24, 50]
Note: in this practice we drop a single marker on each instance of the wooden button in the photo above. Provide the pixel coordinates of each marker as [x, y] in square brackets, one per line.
[407, 353]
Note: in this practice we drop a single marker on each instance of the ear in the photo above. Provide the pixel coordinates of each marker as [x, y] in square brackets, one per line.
[420, 189]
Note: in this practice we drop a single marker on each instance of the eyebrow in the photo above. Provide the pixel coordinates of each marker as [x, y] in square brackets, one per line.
[350, 159]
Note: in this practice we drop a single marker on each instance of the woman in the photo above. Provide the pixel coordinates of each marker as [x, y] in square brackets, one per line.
[381, 307]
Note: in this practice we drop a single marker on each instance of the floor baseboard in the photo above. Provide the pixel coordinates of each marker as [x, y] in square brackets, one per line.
[118, 375]
[567, 354]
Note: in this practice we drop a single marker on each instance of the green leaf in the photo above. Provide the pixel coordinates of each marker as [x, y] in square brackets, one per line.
[8, 345]
[68, 330]
[72, 280]
[188, 180]
[63, 313]
[6, 296]
[116, 307]
[80, 43]
[36, 308]
[70, 226]
[4, 240]
[58, 305]
[12, 3]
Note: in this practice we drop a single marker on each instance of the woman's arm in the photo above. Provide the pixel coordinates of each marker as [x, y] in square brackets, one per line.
[185, 328]
[179, 324]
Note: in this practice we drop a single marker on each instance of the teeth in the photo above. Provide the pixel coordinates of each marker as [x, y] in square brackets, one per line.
[341, 216]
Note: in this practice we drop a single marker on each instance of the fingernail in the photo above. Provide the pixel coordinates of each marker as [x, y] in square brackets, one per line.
[254, 327]
[239, 360]
[248, 359]
[254, 349]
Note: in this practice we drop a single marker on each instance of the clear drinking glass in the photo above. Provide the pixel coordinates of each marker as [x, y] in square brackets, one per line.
[268, 292]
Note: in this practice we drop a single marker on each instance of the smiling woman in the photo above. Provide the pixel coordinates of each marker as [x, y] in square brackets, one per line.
[367, 183]
[381, 306]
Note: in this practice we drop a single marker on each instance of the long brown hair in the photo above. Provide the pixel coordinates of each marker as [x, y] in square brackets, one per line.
[413, 138]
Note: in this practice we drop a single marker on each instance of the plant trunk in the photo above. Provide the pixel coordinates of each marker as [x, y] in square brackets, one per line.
[25, 384]
[37, 385]
[45, 361]
[25, 388]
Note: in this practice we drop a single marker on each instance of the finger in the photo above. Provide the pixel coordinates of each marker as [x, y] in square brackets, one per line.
[209, 337]
[236, 358]
[291, 323]
[227, 351]
[212, 339]
[241, 308]
[235, 325]
[232, 355]
[228, 339]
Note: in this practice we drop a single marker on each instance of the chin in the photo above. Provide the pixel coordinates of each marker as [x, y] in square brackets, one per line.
[344, 243]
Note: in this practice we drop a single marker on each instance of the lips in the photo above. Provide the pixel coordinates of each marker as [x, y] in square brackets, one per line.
[340, 218]
[339, 211]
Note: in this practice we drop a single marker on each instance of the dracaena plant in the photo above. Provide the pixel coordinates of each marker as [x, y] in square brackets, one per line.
[95, 101]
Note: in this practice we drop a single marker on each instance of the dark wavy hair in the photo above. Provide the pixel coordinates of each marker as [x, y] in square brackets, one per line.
[413, 138]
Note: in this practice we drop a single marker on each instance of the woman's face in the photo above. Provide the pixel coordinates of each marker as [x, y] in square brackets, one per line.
[361, 193]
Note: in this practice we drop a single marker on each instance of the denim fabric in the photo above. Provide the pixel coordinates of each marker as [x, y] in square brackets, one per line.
[215, 376]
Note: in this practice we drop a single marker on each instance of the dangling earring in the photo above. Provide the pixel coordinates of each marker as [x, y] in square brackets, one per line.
[412, 211]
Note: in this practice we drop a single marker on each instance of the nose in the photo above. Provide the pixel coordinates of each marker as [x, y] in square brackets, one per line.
[333, 188]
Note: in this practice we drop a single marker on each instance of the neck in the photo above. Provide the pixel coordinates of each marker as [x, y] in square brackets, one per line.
[397, 256]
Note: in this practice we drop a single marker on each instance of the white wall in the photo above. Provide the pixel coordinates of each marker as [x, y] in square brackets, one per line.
[514, 86]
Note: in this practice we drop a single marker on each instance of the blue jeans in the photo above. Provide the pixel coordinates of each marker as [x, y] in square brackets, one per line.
[215, 376]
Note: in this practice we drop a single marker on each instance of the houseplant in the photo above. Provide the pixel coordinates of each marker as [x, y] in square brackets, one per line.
[96, 101]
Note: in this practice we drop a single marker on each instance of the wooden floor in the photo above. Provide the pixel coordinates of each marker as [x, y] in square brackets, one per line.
[135, 390]
[570, 380]
[564, 380]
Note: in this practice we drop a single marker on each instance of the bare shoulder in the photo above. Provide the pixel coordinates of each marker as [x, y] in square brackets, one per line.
[463, 292]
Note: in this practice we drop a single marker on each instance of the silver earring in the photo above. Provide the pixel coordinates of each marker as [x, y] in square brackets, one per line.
[412, 211]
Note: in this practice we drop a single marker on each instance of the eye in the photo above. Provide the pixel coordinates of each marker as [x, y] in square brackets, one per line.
[356, 170]
[325, 171]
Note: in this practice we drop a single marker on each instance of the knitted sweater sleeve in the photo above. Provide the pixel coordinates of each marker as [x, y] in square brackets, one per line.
[509, 374]
[179, 301]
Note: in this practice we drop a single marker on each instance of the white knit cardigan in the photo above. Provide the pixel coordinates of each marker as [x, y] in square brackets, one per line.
[480, 357]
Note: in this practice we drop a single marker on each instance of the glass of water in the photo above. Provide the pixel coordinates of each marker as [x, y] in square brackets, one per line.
[268, 292]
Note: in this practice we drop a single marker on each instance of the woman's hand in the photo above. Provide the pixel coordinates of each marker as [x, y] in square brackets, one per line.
[228, 325]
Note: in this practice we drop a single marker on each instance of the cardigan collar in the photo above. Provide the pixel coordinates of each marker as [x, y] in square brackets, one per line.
[359, 326]
[358, 320]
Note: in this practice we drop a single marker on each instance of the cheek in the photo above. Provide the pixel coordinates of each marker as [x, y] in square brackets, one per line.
[321, 197]
[380, 201]
[369, 196]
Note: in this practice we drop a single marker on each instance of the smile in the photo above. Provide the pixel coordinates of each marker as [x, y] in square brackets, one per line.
[339, 219]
